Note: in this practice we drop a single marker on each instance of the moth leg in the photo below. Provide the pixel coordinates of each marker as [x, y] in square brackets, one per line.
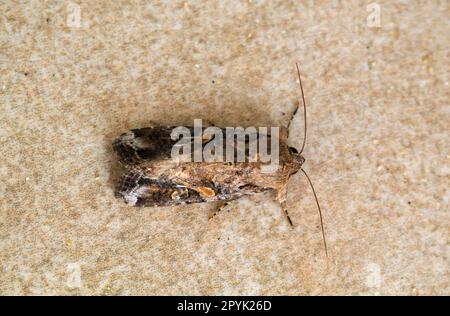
[282, 193]
[220, 206]
[285, 210]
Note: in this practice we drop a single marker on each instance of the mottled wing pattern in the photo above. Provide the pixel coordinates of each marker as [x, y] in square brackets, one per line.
[152, 143]
[140, 148]
[139, 189]
[143, 144]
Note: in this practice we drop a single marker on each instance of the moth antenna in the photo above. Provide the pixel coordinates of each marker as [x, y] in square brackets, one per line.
[304, 107]
[320, 212]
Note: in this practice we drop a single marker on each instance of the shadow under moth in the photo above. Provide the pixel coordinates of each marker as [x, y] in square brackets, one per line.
[153, 178]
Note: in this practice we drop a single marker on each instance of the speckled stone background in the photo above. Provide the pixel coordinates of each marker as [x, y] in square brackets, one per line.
[74, 75]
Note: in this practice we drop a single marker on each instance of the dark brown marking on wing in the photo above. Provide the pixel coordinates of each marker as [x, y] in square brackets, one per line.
[142, 144]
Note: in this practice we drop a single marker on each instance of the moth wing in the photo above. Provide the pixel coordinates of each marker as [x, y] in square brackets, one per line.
[150, 143]
[138, 188]
[146, 153]
[143, 144]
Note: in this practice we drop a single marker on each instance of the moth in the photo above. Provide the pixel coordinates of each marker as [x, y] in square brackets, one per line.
[153, 178]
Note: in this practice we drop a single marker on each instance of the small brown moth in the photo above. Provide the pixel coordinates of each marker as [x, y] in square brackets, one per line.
[154, 178]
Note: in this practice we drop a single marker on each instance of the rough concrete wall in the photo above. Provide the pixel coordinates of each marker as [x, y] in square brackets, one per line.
[377, 150]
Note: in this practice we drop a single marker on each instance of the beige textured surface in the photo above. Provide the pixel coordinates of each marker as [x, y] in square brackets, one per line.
[378, 147]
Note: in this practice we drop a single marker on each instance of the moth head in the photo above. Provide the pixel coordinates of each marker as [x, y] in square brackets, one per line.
[298, 158]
